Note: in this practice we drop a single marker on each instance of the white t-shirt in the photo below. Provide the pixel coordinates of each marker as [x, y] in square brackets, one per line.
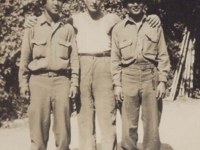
[93, 36]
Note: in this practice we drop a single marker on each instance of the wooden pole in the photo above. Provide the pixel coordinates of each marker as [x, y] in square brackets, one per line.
[192, 68]
[181, 60]
[183, 79]
[187, 63]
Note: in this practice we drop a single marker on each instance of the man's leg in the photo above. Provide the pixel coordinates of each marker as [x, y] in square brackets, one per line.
[104, 102]
[39, 112]
[151, 112]
[61, 112]
[130, 108]
[87, 138]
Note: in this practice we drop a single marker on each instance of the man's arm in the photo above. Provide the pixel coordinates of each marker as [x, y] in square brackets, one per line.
[32, 20]
[115, 60]
[116, 67]
[26, 57]
[163, 65]
[74, 64]
[163, 58]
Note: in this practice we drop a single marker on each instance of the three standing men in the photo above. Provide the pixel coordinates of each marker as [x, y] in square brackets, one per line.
[96, 90]
[48, 52]
[140, 65]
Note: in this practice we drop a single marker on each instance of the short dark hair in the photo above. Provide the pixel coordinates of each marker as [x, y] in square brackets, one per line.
[125, 2]
[44, 1]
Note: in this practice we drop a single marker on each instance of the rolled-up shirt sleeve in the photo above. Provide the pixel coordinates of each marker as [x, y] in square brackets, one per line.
[116, 67]
[162, 58]
[26, 58]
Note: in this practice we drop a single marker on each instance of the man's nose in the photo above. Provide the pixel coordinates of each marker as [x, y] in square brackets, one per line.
[135, 4]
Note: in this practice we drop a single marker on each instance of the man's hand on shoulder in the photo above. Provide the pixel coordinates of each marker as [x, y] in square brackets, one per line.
[69, 20]
[153, 20]
[30, 21]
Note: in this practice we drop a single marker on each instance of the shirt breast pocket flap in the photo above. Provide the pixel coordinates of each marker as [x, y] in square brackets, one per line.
[64, 49]
[125, 43]
[125, 48]
[152, 37]
[39, 47]
[39, 42]
[150, 43]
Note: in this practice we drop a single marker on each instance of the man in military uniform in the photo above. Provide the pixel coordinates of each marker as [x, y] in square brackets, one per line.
[140, 65]
[48, 52]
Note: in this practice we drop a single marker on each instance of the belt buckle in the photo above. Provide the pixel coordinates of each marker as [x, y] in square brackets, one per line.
[51, 74]
[99, 55]
[142, 68]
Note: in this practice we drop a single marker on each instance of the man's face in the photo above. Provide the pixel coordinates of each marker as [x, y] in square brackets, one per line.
[54, 6]
[135, 7]
[93, 5]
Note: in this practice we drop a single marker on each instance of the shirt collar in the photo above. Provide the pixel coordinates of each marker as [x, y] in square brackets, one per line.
[129, 20]
[42, 20]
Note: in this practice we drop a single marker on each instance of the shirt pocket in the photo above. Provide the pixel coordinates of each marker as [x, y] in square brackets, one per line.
[39, 48]
[63, 49]
[150, 42]
[125, 48]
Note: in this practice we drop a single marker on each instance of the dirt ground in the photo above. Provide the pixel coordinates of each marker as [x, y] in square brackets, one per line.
[179, 130]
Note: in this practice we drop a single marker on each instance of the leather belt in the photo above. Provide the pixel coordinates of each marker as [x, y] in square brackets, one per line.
[103, 54]
[142, 66]
[51, 74]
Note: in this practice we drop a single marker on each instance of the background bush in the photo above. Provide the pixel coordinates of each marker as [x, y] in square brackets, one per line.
[174, 14]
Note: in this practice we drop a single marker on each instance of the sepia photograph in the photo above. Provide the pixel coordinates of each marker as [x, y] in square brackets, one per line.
[99, 74]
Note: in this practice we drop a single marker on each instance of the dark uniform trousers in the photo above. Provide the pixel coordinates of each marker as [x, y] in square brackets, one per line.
[139, 82]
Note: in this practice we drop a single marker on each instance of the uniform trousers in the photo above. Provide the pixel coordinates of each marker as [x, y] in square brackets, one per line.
[139, 82]
[49, 94]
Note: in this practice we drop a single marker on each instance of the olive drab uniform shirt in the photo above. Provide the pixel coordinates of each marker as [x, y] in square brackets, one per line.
[132, 44]
[48, 48]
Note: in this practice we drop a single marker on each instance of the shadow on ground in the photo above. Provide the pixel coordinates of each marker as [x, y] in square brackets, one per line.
[164, 146]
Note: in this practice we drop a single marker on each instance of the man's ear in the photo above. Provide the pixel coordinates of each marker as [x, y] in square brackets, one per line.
[145, 9]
